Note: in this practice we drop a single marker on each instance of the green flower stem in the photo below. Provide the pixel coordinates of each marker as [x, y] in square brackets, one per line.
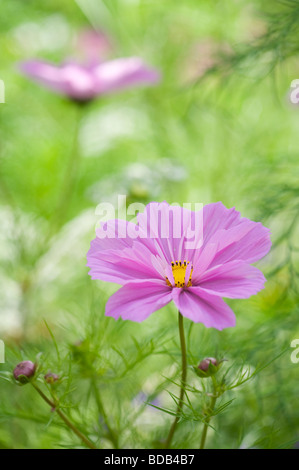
[206, 425]
[111, 433]
[71, 173]
[69, 424]
[183, 382]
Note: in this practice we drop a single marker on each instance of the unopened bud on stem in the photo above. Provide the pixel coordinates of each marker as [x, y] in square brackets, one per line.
[205, 363]
[51, 378]
[207, 367]
[24, 371]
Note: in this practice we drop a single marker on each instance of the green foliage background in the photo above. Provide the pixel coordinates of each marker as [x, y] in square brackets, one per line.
[229, 134]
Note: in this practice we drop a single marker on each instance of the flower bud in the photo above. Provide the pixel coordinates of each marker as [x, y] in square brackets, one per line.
[24, 371]
[205, 363]
[207, 367]
[51, 378]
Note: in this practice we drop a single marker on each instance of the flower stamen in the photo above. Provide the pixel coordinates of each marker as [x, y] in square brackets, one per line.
[179, 274]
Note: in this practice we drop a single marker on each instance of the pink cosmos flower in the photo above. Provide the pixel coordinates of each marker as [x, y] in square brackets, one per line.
[85, 82]
[155, 262]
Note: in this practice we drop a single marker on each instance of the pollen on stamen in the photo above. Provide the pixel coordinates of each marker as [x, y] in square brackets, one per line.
[179, 274]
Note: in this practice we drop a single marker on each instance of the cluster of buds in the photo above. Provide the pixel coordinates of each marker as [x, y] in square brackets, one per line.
[25, 371]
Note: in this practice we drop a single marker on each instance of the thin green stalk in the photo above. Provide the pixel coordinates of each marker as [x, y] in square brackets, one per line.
[183, 382]
[69, 424]
[71, 173]
[112, 435]
[64, 201]
[206, 425]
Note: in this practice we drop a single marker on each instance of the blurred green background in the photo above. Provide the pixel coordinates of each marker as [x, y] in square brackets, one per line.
[218, 127]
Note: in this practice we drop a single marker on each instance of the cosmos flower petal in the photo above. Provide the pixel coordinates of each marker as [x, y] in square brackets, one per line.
[123, 73]
[116, 257]
[202, 307]
[236, 280]
[138, 299]
[121, 266]
[44, 72]
[169, 228]
[94, 45]
[70, 79]
[120, 271]
[248, 241]
[113, 235]
[203, 259]
[216, 217]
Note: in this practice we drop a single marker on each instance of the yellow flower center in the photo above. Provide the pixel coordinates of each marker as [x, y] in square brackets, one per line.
[179, 274]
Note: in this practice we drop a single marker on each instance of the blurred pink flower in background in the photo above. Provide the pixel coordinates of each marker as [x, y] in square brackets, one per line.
[155, 269]
[83, 83]
[94, 46]
[84, 80]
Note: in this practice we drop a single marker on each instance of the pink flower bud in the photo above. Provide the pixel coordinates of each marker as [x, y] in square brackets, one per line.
[50, 378]
[24, 371]
[207, 367]
[205, 363]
